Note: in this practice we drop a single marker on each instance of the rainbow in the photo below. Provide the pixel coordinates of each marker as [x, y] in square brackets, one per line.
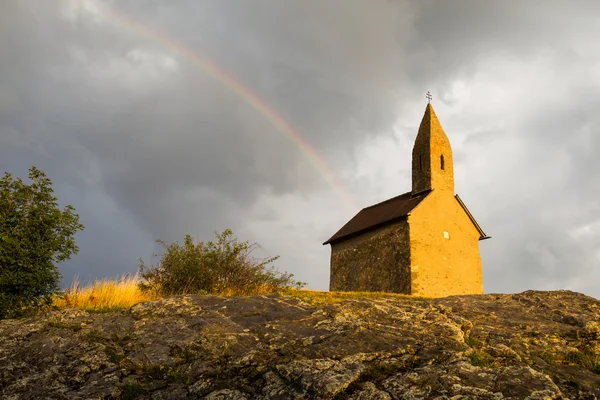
[236, 87]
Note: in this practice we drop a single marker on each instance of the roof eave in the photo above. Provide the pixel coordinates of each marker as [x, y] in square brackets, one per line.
[370, 228]
[482, 235]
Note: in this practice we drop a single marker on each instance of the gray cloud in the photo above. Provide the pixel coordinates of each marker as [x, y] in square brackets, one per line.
[146, 144]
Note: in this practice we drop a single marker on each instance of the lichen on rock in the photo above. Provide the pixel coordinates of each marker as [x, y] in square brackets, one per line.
[278, 347]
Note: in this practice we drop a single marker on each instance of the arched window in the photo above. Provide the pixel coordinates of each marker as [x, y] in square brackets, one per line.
[442, 161]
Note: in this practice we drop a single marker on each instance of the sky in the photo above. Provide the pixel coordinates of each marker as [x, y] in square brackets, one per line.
[281, 119]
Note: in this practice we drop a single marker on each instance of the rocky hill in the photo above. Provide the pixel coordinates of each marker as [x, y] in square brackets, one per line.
[535, 345]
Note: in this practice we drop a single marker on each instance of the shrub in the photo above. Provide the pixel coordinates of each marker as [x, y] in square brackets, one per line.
[34, 236]
[221, 267]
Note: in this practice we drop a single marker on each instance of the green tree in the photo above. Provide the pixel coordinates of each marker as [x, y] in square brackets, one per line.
[221, 267]
[34, 236]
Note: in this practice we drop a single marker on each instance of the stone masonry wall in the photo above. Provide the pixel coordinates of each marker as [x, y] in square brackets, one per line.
[376, 261]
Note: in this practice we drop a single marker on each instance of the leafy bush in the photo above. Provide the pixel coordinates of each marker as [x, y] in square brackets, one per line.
[221, 267]
[34, 235]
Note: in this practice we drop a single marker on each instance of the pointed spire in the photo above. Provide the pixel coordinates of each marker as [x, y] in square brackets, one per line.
[430, 122]
[432, 166]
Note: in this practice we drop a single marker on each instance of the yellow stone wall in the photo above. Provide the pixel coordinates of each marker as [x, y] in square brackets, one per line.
[444, 248]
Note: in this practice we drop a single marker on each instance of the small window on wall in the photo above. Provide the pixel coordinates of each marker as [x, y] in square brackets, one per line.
[446, 235]
[442, 161]
[420, 163]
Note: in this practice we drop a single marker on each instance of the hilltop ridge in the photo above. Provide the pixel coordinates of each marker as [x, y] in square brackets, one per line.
[536, 345]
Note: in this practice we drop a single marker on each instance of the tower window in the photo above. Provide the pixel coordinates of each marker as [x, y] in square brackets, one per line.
[442, 161]
[420, 163]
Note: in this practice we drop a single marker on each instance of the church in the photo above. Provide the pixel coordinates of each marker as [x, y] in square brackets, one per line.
[424, 242]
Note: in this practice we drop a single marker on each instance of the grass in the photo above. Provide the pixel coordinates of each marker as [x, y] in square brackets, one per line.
[62, 325]
[480, 358]
[316, 297]
[162, 372]
[471, 341]
[262, 289]
[132, 391]
[111, 295]
[587, 358]
[104, 295]
[114, 356]
[547, 357]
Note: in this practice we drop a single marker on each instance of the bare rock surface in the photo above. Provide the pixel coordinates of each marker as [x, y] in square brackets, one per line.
[532, 345]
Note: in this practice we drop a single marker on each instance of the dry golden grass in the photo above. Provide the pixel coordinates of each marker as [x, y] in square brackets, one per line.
[263, 289]
[109, 295]
[104, 295]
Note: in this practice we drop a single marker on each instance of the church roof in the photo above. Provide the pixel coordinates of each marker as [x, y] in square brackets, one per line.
[380, 214]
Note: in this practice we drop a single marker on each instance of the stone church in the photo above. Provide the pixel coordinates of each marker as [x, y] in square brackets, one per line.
[424, 242]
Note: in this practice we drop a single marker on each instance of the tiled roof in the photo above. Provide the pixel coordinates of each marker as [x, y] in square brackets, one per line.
[380, 214]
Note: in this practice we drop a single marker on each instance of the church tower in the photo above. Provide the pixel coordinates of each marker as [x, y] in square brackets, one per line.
[432, 166]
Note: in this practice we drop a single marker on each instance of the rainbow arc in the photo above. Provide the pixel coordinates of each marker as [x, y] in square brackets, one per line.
[237, 87]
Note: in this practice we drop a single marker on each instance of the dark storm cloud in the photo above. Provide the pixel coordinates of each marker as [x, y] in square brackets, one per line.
[185, 132]
[147, 145]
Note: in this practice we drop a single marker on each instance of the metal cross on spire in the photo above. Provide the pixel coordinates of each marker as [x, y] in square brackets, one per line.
[428, 95]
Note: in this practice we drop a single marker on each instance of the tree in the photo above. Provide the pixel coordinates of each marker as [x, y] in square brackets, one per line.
[221, 267]
[34, 236]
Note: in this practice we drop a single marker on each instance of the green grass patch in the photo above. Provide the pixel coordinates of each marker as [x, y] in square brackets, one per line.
[114, 356]
[164, 373]
[316, 297]
[131, 391]
[480, 358]
[588, 359]
[547, 357]
[94, 336]
[62, 325]
[188, 354]
[471, 341]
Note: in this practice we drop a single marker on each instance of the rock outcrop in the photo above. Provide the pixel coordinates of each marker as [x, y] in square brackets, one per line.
[532, 345]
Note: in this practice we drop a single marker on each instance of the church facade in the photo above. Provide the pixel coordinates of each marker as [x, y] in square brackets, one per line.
[424, 242]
